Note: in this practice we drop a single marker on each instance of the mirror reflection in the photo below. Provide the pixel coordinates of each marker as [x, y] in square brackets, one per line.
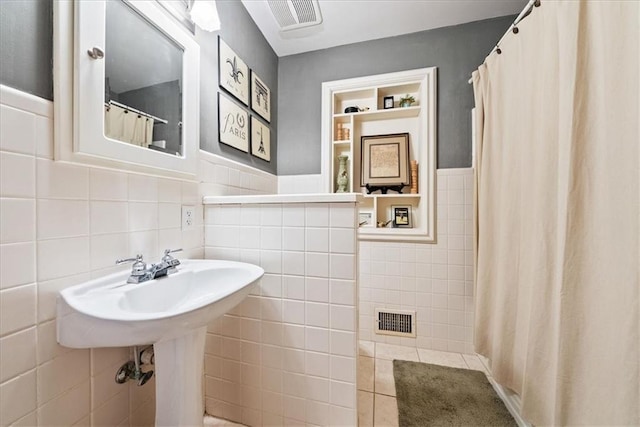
[143, 82]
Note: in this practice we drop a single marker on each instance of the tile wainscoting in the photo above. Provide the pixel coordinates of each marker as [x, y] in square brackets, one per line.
[62, 224]
[434, 280]
[287, 354]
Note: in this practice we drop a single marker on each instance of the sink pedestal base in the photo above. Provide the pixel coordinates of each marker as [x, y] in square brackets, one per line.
[179, 371]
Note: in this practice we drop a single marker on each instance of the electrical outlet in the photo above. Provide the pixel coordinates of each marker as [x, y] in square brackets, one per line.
[188, 217]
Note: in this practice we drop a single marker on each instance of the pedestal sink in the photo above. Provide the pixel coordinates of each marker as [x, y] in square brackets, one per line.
[171, 313]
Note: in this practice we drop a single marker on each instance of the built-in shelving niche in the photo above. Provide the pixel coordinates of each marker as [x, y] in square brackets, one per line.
[419, 120]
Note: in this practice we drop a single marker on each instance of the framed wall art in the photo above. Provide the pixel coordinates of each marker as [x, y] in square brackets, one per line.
[260, 97]
[385, 161]
[365, 218]
[401, 216]
[233, 124]
[260, 139]
[233, 73]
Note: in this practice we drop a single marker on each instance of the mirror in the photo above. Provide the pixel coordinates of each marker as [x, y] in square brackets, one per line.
[127, 87]
[143, 82]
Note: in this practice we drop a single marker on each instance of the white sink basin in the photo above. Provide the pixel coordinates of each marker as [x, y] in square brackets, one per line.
[171, 313]
[108, 312]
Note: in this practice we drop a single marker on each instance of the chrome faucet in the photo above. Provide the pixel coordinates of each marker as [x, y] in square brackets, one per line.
[141, 272]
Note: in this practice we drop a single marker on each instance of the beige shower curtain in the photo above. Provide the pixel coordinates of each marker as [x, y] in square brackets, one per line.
[557, 213]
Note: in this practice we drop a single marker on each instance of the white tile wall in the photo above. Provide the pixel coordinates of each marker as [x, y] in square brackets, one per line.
[222, 177]
[61, 224]
[436, 281]
[287, 354]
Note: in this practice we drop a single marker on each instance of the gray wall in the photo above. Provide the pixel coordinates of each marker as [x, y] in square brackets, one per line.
[26, 46]
[243, 36]
[163, 100]
[456, 51]
[26, 52]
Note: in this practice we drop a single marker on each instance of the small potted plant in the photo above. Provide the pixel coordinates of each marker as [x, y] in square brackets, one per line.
[407, 100]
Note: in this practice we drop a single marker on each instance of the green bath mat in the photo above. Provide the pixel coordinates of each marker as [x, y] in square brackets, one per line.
[432, 395]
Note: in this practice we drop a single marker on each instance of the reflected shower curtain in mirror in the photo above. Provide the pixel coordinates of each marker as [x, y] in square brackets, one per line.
[557, 213]
[127, 126]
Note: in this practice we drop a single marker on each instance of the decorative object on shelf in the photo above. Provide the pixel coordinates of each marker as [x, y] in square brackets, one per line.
[383, 189]
[388, 102]
[365, 218]
[339, 132]
[233, 124]
[355, 109]
[414, 177]
[384, 162]
[401, 216]
[343, 178]
[346, 133]
[407, 100]
[233, 73]
[383, 224]
[260, 97]
[260, 139]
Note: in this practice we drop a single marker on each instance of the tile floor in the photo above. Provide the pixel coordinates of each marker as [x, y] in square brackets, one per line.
[377, 405]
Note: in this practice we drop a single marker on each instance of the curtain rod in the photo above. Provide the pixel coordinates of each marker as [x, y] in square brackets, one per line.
[134, 110]
[513, 27]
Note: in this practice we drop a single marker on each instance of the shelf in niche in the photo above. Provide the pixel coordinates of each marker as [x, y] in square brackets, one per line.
[387, 230]
[391, 113]
[402, 89]
[419, 120]
[354, 94]
[393, 196]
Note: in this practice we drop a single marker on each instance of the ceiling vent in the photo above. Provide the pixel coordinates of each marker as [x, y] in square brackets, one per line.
[295, 14]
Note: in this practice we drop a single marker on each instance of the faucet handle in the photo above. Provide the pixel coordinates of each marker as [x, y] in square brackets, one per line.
[136, 259]
[138, 268]
[170, 251]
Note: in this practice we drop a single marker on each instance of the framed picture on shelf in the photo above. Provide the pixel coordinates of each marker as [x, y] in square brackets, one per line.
[384, 160]
[388, 102]
[260, 139]
[260, 97]
[233, 124]
[365, 218]
[401, 216]
[233, 73]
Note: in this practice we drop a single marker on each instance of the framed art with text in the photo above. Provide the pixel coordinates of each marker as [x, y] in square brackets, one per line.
[233, 73]
[233, 124]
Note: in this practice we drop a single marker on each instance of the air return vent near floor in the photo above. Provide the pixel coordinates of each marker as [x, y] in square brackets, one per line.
[295, 14]
[395, 322]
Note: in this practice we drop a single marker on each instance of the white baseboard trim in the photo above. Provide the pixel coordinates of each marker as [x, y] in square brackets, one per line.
[25, 101]
[219, 160]
[300, 184]
[455, 171]
[511, 401]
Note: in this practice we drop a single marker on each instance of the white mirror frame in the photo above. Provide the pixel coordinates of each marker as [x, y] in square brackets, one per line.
[79, 93]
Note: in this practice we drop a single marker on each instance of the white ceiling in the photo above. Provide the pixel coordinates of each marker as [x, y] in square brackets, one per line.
[351, 21]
